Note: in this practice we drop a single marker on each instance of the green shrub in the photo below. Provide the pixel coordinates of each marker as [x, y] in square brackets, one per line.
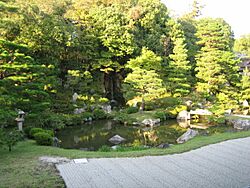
[33, 131]
[26, 130]
[43, 138]
[86, 115]
[124, 118]
[10, 138]
[161, 115]
[99, 114]
[105, 148]
[103, 100]
[131, 110]
[47, 119]
[172, 112]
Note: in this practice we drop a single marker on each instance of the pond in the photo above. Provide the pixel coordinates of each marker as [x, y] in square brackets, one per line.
[94, 135]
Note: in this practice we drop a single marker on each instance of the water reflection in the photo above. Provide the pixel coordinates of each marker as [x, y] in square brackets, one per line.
[97, 134]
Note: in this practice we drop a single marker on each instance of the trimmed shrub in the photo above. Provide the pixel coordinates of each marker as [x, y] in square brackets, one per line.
[131, 110]
[33, 131]
[43, 138]
[105, 148]
[99, 114]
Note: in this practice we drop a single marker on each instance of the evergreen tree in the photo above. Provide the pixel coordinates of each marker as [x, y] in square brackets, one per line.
[179, 69]
[245, 85]
[22, 81]
[144, 81]
[216, 63]
[242, 45]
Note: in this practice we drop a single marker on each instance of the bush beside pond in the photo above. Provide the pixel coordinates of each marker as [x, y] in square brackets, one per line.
[43, 138]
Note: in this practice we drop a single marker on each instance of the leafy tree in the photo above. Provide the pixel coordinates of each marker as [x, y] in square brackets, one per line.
[9, 139]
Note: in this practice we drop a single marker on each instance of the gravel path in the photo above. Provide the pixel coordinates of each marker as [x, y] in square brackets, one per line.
[225, 165]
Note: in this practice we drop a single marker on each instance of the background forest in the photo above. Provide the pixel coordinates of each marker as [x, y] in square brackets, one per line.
[118, 52]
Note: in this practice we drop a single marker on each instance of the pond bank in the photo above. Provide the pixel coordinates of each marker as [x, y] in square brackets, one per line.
[22, 162]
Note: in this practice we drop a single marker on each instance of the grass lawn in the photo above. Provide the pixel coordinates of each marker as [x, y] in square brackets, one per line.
[20, 168]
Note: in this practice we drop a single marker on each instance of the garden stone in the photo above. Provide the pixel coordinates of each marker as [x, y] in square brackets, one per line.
[245, 103]
[183, 115]
[163, 146]
[117, 139]
[107, 109]
[183, 123]
[53, 160]
[202, 112]
[74, 97]
[79, 110]
[228, 112]
[151, 122]
[187, 136]
[240, 124]
[115, 147]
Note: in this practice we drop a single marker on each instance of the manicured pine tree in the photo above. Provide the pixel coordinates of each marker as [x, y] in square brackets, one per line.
[245, 85]
[216, 63]
[144, 81]
[179, 69]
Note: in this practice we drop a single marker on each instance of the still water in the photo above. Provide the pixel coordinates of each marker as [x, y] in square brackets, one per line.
[96, 134]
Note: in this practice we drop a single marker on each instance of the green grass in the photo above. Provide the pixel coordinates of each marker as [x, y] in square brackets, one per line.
[20, 168]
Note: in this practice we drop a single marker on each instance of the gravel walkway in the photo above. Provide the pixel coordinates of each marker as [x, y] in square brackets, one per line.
[225, 165]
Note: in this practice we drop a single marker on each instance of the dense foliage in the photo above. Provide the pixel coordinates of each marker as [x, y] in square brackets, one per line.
[114, 52]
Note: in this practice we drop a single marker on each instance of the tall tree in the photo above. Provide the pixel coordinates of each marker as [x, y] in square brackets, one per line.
[216, 63]
[179, 69]
[245, 85]
[242, 45]
[144, 81]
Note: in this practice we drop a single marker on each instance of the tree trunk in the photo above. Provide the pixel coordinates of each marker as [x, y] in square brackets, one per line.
[142, 107]
[112, 85]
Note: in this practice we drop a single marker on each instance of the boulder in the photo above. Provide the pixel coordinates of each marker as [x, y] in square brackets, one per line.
[240, 124]
[202, 112]
[187, 136]
[163, 146]
[183, 123]
[117, 139]
[228, 112]
[79, 110]
[151, 122]
[183, 115]
[107, 108]
[115, 147]
[245, 103]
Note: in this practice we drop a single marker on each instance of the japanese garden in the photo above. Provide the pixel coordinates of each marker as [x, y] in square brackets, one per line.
[114, 78]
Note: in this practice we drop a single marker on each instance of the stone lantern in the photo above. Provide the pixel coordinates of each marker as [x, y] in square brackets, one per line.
[20, 119]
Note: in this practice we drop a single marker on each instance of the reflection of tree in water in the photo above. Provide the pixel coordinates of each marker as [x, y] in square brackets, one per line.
[98, 133]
